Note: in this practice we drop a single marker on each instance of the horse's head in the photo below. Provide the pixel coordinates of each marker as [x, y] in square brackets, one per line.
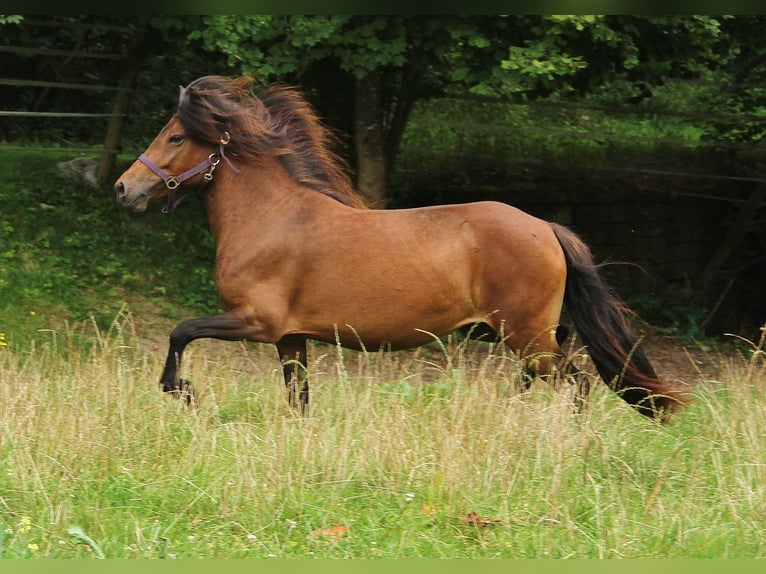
[170, 160]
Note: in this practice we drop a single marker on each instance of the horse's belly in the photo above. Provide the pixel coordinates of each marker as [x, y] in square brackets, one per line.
[392, 320]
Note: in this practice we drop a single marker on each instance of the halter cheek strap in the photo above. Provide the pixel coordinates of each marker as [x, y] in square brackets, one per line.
[172, 181]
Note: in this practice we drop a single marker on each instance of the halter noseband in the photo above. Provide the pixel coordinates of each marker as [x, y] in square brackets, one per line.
[173, 181]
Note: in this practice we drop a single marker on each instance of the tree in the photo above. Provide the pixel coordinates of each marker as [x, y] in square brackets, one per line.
[393, 61]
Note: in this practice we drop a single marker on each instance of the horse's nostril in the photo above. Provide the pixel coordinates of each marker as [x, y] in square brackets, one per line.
[119, 189]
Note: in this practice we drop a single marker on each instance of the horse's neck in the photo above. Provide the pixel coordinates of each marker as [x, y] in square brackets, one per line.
[250, 202]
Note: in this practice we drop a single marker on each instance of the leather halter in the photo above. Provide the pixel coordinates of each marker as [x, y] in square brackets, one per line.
[173, 181]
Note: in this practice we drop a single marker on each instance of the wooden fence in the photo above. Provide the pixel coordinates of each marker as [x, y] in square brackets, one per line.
[121, 92]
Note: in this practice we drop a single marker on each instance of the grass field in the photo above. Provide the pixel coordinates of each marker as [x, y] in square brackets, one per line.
[425, 454]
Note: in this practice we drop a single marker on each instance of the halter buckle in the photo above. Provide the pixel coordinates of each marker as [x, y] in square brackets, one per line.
[208, 177]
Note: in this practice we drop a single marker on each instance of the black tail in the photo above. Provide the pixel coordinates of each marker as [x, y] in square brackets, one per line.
[601, 319]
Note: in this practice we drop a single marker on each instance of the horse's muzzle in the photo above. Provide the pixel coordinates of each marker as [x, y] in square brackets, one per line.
[137, 202]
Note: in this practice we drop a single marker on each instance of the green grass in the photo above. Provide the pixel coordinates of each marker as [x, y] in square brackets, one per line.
[69, 252]
[400, 450]
[443, 130]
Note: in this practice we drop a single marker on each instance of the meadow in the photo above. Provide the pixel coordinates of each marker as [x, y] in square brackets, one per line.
[425, 454]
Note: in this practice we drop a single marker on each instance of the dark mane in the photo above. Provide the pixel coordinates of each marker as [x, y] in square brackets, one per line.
[278, 122]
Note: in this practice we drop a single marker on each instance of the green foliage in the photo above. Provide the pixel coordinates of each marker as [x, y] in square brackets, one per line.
[274, 47]
[536, 61]
[13, 19]
[672, 312]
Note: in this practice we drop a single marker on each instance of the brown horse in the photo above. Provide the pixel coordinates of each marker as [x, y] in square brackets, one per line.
[299, 256]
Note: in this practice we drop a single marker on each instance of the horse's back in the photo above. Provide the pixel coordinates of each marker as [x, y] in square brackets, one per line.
[485, 245]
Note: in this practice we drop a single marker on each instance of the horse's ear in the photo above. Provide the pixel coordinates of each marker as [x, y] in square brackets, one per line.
[181, 94]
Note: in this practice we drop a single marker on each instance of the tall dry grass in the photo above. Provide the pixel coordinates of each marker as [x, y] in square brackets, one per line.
[398, 454]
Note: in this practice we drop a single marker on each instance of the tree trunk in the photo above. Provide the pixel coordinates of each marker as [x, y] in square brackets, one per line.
[370, 140]
[401, 113]
[120, 105]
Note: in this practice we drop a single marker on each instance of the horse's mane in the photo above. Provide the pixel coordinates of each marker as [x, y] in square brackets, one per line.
[278, 122]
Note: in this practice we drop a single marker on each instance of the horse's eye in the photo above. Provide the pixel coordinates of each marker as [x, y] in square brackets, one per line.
[176, 139]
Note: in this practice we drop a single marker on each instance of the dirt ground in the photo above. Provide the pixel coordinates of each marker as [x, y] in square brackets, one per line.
[676, 360]
[679, 362]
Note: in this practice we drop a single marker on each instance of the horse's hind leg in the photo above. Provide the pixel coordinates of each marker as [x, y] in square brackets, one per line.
[568, 373]
[556, 366]
[292, 353]
[540, 348]
[545, 362]
[536, 347]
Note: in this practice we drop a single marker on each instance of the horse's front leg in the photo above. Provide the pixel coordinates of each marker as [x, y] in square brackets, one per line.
[226, 327]
[292, 353]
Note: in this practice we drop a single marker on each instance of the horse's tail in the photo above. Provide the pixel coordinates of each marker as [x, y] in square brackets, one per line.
[601, 319]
